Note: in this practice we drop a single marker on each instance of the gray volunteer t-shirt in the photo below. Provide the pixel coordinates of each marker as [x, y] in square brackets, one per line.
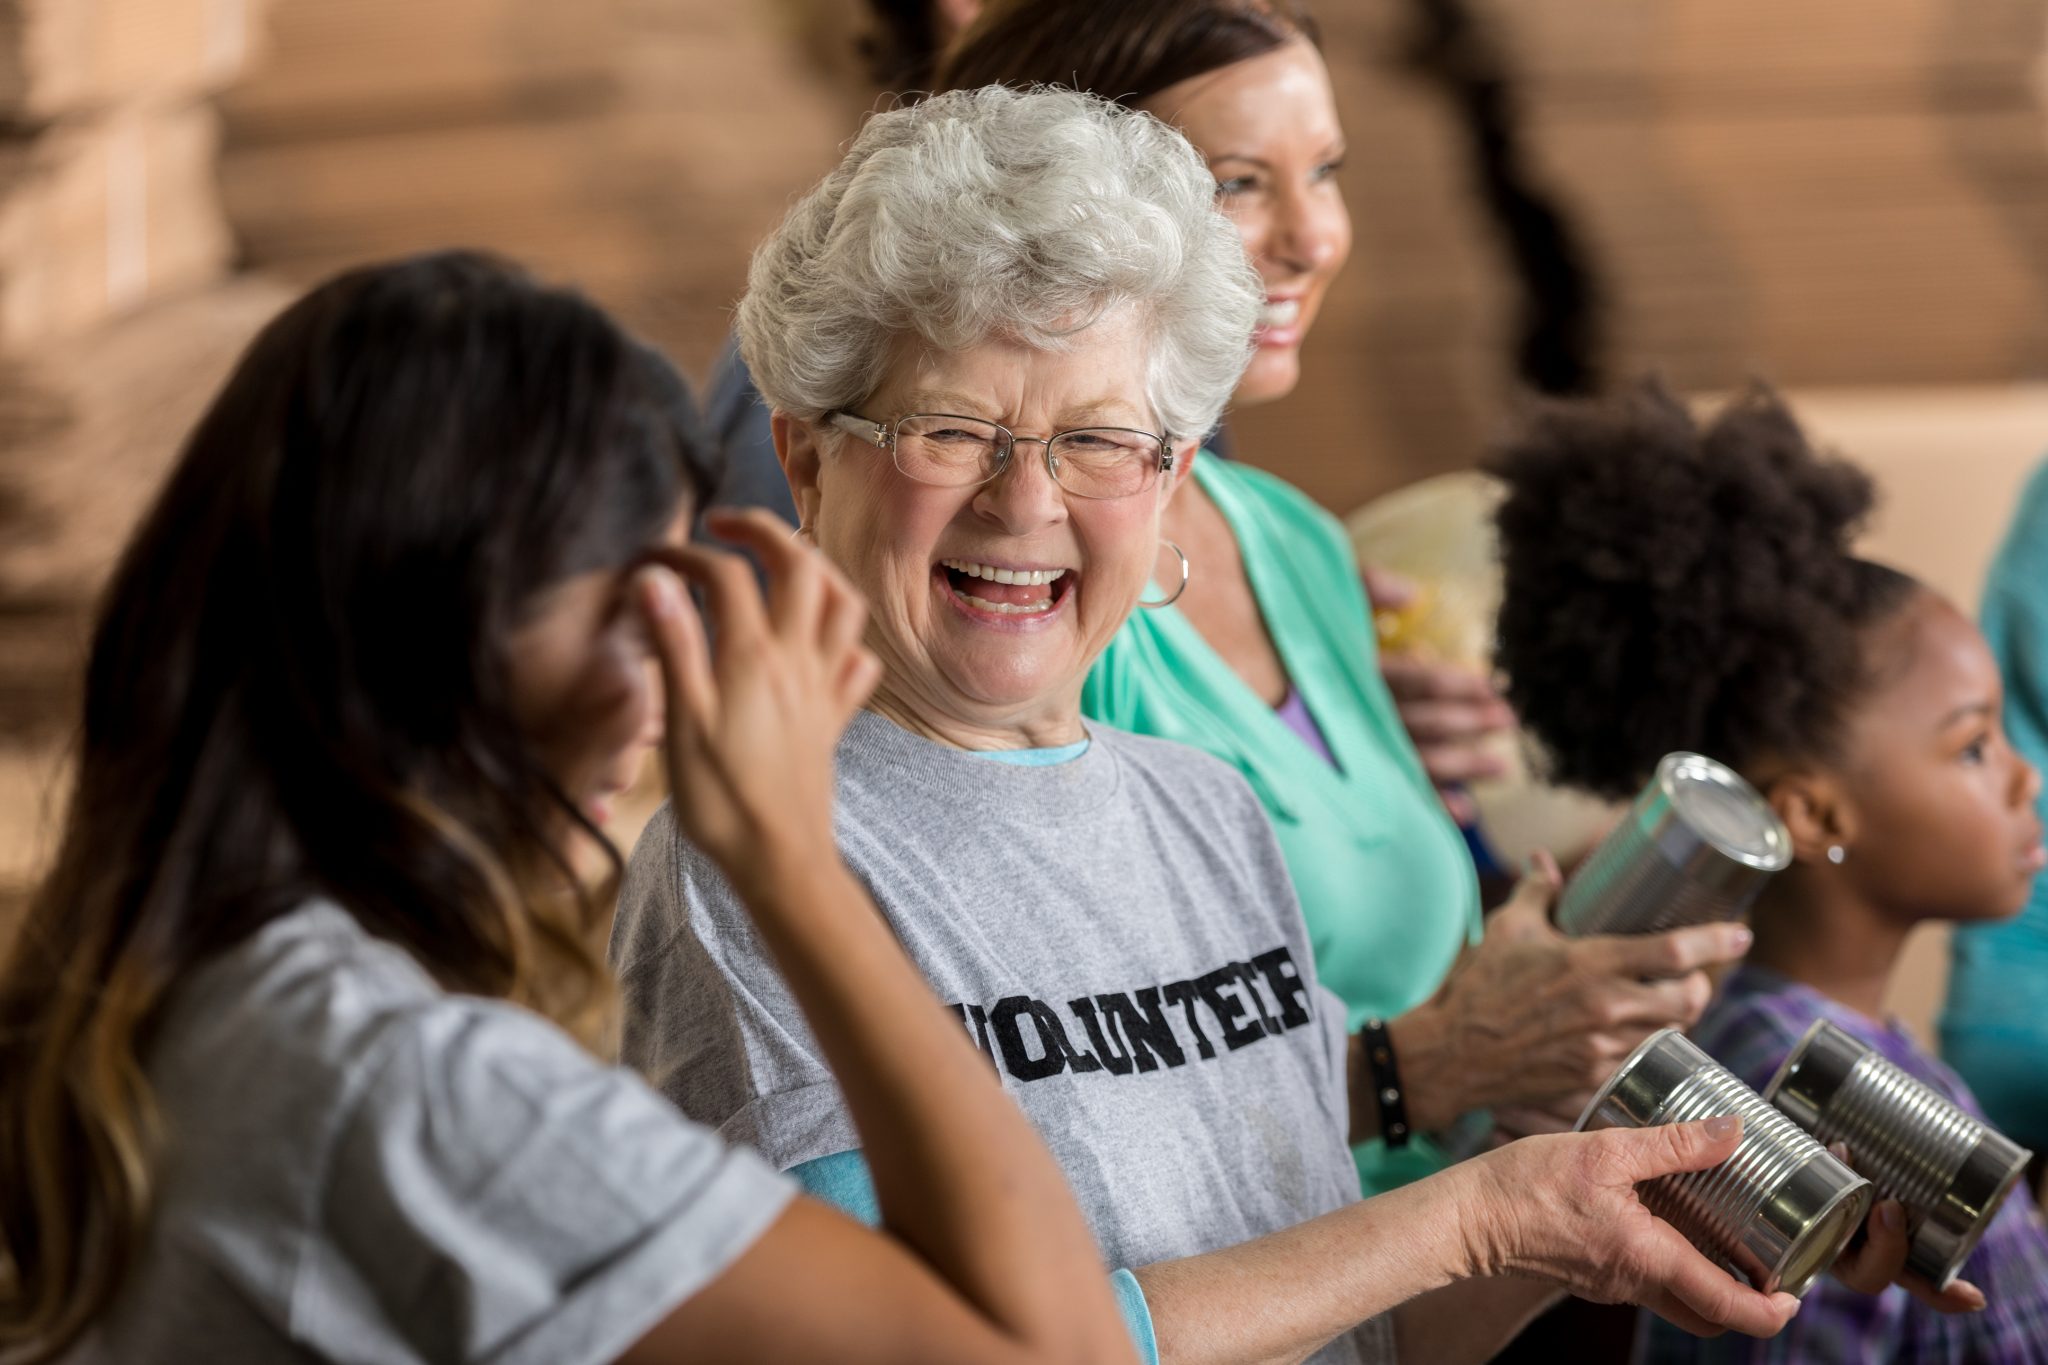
[362, 1167]
[1116, 932]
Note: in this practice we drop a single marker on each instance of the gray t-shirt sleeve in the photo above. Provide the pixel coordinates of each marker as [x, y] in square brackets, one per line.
[708, 1018]
[494, 1194]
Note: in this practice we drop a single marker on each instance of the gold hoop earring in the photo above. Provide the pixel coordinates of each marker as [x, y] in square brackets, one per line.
[1181, 555]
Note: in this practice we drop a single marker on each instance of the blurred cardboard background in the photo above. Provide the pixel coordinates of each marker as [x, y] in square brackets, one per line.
[1848, 199]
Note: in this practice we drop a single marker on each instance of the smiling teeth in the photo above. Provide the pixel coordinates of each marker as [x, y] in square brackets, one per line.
[1007, 608]
[1279, 312]
[995, 575]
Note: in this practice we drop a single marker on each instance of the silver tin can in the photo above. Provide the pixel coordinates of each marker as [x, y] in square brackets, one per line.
[1778, 1211]
[1948, 1169]
[1696, 846]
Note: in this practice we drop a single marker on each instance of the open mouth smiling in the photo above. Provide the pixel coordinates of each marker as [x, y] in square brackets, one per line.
[1018, 593]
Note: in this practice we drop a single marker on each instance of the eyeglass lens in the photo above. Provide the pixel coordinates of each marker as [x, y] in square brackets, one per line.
[1094, 462]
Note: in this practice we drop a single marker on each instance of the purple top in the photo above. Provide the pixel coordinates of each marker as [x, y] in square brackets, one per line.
[1751, 1028]
[1294, 711]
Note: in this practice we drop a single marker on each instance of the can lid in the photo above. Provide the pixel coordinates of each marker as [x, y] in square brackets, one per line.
[1950, 1231]
[1716, 805]
[1639, 1090]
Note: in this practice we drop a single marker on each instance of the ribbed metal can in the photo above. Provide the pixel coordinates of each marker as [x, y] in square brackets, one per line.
[1778, 1211]
[1696, 846]
[1950, 1170]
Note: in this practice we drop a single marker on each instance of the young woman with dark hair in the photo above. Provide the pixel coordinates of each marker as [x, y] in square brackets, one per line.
[1672, 585]
[299, 1046]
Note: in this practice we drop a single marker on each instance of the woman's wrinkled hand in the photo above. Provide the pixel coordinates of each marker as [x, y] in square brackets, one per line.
[1530, 1022]
[1564, 1209]
[751, 726]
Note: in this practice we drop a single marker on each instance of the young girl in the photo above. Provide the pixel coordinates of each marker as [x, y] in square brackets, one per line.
[1673, 587]
[299, 1046]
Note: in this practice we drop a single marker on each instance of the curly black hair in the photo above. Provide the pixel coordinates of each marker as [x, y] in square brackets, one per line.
[1674, 586]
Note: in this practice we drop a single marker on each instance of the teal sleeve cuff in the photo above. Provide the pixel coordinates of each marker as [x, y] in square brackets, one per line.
[1130, 1301]
[843, 1181]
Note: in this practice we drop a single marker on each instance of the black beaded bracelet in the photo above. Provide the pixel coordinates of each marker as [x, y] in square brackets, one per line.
[1383, 1073]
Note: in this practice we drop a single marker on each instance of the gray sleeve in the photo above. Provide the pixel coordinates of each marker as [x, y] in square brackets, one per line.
[708, 1018]
[495, 1194]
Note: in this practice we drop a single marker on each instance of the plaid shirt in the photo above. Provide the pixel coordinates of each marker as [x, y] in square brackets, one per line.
[1750, 1029]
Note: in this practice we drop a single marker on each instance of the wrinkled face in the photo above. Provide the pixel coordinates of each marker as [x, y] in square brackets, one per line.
[1268, 129]
[586, 689]
[959, 644]
[1946, 825]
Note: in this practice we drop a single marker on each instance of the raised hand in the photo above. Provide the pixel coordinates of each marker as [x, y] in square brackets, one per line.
[752, 727]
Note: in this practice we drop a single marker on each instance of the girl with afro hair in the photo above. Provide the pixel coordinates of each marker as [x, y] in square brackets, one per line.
[1673, 585]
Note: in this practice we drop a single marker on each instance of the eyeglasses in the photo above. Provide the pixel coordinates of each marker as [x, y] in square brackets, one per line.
[959, 452]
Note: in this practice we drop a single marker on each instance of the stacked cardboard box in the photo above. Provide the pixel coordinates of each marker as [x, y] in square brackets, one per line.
[1690, 52]
[108, 197]
[117, 320]
[381, 127]
[633, 147]
[1850, 189]
[99, 216]
[58, 57]
[356, 65]
[87, 428]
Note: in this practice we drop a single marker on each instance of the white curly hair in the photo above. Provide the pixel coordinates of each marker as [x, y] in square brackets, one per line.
[997, 212]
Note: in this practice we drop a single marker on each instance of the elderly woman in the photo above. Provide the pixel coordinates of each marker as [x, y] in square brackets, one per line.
[1268, 659]
[990, 338]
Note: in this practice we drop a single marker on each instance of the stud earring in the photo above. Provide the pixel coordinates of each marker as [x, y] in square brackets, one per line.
[1837, 854]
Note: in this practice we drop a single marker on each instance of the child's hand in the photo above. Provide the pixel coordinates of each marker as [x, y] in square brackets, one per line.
[1876, 1259]
[751, 730]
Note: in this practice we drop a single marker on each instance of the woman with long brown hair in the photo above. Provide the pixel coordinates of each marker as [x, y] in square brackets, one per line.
[299, 1046]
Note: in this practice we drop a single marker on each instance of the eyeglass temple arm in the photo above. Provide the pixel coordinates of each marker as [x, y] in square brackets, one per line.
[874, 433]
